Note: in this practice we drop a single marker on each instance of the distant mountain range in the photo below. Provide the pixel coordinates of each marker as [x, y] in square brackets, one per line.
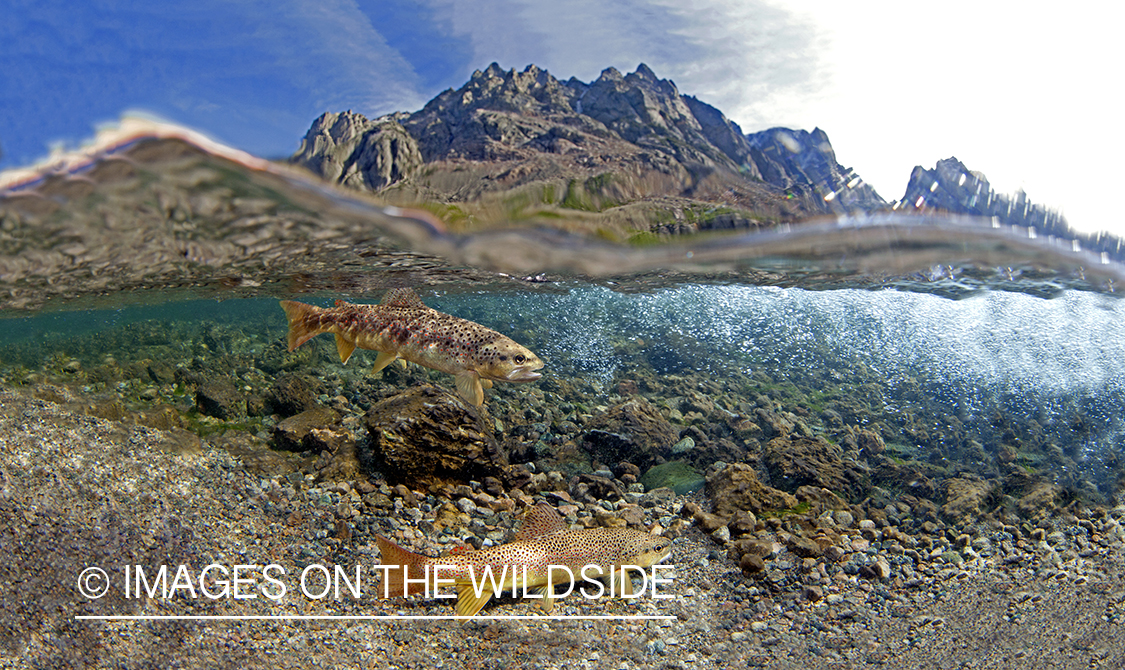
[953, 187]
[624, 153]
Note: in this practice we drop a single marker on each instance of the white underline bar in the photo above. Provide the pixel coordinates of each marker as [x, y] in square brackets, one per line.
[360, 617]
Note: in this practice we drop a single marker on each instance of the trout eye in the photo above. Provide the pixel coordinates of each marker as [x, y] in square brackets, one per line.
[518, 358]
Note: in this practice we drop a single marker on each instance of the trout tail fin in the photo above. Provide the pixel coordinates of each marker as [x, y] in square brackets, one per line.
[405, 564]
[305, 322]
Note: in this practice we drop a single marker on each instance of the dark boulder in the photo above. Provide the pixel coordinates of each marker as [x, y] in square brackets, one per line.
[160, 372]
[311, 430]
[220, 399]
[799, 461]
[630, 431]
[803, 547]
[290, 395]
[736, 487]
[592, 488]
[819, 500]
[751, 564]
[966, 499]
[427, 436]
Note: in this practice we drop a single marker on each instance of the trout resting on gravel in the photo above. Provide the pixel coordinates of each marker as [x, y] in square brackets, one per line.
[544, 553]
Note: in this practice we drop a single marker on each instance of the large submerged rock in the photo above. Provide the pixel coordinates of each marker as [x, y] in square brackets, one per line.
[631, 431]
[800, 461]
[1039, 500]
[290, 394]
[314, 429]
[736, 488]
[425, 436]
[220, 399]
[966, 499]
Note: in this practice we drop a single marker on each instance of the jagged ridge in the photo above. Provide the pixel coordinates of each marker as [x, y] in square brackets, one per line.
[620, 139]
[952, 187]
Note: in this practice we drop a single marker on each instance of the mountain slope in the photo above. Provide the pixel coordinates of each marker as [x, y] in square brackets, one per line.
[626, 151]
[797, 160]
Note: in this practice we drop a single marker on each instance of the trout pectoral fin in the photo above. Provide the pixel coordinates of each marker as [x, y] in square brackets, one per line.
[468, 385]
[548, 603]
[344, 348]
[383, 360]
[626, 583]
[487, 383]
[468, 602]
[404, 363]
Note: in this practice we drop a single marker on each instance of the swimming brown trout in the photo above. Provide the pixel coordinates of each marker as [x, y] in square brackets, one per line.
[522, 565]
[402, 326]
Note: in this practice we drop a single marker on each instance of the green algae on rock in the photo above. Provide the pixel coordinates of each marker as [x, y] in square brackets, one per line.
[676, 475]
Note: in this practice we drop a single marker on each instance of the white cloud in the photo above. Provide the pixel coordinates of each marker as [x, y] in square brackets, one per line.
[330, 48]
[759, 63]
[1020, 95]
[751, 56]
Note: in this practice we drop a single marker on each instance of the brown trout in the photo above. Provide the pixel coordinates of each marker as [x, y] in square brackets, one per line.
[402, 326]
[543, 540]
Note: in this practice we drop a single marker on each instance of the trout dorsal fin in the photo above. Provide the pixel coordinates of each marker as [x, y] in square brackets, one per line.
[541, 520]
[402, 297]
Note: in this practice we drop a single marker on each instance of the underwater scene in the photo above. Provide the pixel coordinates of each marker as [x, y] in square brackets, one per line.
[241, 410]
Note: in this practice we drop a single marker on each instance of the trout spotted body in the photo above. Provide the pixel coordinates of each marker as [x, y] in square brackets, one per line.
[402, 326]
[542, 541]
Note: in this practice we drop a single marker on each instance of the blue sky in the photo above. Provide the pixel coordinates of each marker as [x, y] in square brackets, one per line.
[1024, 98]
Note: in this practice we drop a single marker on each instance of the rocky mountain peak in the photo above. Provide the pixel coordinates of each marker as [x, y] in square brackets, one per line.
[610, 74]
[804, 162]
[953, 187]
[491, 115]
[635, 131]
[645, 78]
[645, 72]
[361, 153]
[493, 70]
[533, 91]
[637, 104]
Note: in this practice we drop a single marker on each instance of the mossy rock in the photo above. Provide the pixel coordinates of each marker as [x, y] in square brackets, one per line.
[676, 475]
